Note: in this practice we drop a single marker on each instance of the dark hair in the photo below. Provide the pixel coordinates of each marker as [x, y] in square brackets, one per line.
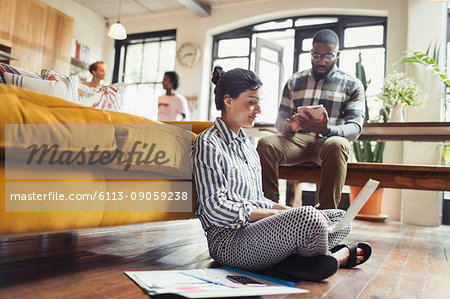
[326, 36]
[173, 78]
[233, 82]
[93, 67]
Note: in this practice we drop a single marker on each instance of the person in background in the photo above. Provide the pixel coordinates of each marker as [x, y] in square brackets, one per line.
[244, 229]
[323, 140]
[172, 106]
[98, 71]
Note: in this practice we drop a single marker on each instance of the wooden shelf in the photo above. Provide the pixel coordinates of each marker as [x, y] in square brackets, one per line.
[4, 56]
[5, 43]
[79, 63]
[407, 131]
[390, 175]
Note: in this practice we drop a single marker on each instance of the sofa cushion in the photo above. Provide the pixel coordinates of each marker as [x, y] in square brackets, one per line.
[22, 106]
[52, 75]
[107, 97]
[6, 68]
[66, 88]
[119, 131]
[67, 144]
[158, 148]
[197, 126]
[38, 222]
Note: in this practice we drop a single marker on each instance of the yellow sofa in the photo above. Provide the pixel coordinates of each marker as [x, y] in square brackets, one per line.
[21, 106]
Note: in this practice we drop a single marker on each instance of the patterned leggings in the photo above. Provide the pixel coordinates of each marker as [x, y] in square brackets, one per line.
[264, 243]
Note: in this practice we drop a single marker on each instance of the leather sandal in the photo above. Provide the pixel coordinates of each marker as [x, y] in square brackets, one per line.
[314, 268]
[352, 259]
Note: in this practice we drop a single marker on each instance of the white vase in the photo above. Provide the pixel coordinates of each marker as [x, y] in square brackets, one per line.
[396, 115]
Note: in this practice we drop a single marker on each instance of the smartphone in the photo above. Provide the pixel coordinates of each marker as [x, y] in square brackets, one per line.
[311, 107]
[316, 111]
[244, 280]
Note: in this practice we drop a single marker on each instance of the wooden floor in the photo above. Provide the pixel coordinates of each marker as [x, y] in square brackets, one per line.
[407, 262]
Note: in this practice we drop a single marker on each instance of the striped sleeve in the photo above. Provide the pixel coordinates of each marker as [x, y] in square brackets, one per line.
[212, 189]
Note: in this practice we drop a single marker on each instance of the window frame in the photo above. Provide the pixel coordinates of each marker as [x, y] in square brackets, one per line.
[163, 35]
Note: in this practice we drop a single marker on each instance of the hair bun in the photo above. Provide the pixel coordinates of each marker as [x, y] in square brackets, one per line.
[217, 74]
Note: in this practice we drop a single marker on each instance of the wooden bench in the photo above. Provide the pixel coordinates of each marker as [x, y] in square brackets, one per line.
[421, 177]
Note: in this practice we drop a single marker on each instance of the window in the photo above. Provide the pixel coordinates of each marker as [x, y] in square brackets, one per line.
[447, 66]
[141, 61]
[278, 48]
[445, 158]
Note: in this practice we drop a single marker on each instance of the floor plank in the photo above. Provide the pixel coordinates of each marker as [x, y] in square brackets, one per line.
[407, 261]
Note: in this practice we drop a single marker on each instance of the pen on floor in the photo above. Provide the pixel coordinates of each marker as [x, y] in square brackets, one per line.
[259, 276]
[204, 279]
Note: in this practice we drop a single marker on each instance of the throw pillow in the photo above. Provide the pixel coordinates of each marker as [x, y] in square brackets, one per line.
[106, 97]
[6, 68]
[66, 88]
[157, 149]
[55, 76]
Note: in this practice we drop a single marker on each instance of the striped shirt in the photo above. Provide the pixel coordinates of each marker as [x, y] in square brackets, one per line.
[340, 94]
[227, 175]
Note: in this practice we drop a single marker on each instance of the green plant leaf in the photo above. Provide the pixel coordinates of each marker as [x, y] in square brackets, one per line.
[379, 149]
[364, 150]
[424, 59]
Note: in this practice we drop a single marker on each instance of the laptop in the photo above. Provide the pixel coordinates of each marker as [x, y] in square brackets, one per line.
[356, 206]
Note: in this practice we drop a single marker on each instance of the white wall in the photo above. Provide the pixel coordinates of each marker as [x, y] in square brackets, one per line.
[424, 207]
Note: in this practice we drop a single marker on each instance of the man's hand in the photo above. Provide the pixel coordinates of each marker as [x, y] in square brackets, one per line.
[294, 123]
[307, 121]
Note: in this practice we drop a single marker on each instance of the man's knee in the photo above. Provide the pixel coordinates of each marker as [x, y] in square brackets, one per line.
[267, 146]
[336, 146]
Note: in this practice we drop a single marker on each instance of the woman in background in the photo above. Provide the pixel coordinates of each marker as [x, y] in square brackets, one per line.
[172, 105]
[244, 229]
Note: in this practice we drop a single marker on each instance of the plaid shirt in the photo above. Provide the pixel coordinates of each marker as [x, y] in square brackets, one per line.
[340, 94]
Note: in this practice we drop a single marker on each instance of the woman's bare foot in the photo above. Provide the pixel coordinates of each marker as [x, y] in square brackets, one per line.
[343, 254]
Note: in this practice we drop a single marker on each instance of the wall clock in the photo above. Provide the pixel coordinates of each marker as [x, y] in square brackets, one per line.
[188, 54]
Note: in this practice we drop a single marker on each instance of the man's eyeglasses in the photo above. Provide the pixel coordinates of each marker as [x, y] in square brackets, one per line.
[327, 57]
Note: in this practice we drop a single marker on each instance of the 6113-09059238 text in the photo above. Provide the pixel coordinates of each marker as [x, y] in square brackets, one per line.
[117, 195]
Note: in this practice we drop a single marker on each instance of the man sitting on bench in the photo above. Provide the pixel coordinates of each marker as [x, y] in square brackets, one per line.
[318, 134]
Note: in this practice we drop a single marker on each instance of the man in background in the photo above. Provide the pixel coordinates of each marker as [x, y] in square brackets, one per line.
[98, 71]
[322, 138]
[172, 106]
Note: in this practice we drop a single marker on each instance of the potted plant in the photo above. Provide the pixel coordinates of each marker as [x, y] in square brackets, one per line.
[368, 151]
[399, 91]
[430, 61]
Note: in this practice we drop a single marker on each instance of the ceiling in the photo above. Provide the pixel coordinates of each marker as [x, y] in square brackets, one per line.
[110, 8]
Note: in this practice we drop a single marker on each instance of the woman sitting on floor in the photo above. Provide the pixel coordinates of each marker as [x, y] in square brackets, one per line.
[244, 229]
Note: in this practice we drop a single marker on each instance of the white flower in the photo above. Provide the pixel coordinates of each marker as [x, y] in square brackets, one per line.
[399, 89]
